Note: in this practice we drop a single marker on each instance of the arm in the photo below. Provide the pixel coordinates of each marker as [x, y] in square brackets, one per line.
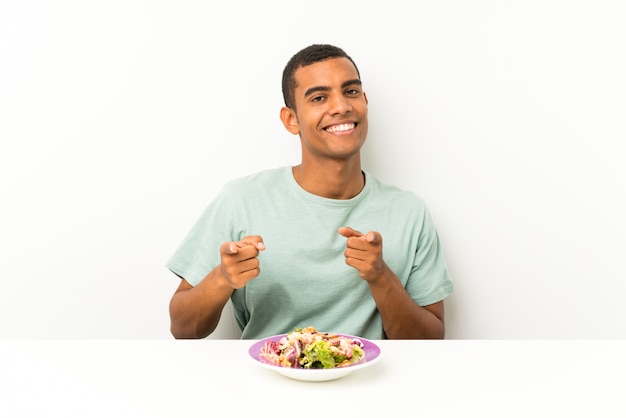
[196, 311]
[401, 316]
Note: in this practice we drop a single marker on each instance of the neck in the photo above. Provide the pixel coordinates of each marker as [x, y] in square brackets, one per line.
[334, 182]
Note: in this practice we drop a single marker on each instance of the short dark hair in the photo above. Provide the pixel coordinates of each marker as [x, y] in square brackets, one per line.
[307, 56]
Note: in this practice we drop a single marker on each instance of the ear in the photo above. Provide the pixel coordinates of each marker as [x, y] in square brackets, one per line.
[290, 120]
[365, 96]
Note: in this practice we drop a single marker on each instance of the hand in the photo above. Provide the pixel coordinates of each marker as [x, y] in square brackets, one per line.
[239, 260]
[364, 252]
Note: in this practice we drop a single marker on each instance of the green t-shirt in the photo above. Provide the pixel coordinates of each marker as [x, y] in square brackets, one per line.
[304, 280]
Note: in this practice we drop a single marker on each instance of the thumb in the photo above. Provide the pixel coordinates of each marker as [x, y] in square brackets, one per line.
[373, 237]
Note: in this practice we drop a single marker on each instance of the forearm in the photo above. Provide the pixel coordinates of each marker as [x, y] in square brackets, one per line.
[402, 317]
[196, 311]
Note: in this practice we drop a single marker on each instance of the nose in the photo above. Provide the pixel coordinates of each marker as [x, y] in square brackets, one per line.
[339, 105]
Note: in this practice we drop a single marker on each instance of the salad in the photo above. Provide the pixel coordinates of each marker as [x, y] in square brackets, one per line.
[306, 348]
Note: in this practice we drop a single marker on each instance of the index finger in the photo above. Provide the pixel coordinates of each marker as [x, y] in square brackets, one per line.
[348, 232]
[254, 240]
[229, 248]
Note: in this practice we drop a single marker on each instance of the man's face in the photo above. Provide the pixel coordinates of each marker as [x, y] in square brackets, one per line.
[331, 110]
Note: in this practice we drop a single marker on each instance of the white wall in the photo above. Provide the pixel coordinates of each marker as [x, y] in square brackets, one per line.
[120, 120]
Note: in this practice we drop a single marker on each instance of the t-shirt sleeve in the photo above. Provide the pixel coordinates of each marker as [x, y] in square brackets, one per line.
[430, 280]
[198, 253]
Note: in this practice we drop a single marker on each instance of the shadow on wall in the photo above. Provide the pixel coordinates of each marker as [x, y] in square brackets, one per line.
[227, 329]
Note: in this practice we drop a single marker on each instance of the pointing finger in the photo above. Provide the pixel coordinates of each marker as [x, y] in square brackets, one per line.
[255, 241]
[348, 232]
[229, 248]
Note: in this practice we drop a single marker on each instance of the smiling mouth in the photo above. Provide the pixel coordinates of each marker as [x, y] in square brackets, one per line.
[341, 128]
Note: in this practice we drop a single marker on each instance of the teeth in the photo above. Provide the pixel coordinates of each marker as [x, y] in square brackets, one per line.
[341, 128]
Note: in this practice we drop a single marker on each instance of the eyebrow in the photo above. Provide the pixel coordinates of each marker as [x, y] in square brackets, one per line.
[345, 84]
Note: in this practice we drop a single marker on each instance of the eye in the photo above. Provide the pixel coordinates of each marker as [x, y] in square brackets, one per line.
[353, 92]
[318, 98]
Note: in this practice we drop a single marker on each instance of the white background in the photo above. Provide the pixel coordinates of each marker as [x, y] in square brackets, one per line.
[121, 120]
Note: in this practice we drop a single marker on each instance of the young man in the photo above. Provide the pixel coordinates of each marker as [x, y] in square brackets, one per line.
[303, 246]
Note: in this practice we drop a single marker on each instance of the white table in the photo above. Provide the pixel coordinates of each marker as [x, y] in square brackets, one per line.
[207, 378]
